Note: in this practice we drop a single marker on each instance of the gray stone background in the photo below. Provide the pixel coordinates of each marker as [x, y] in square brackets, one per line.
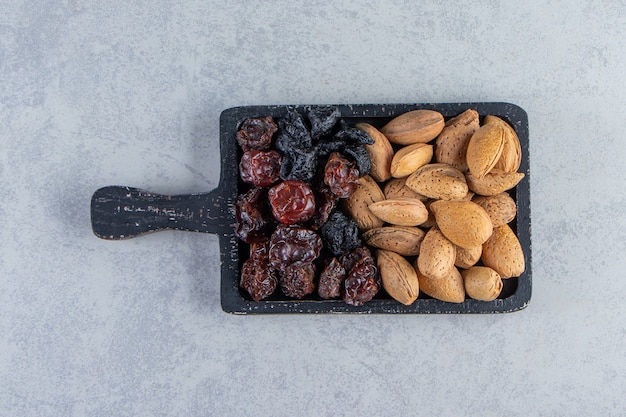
[112, 92]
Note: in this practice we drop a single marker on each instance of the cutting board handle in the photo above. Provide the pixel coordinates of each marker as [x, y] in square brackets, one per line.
[119, 212]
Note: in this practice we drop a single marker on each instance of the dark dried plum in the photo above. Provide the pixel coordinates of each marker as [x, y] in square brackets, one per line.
[361, 157]
[298, 279]
[292, 202]
[258, 279]
[252, 215]
[322, 120]
[352, 135]
[260, 168]
[331, 280]
[294, 126]
[340, 234]
[340, 175]
[256, 133]
[290, 244]
[301, 166]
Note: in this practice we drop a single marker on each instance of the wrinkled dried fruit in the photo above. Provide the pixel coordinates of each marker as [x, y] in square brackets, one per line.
[340, 175]
[340, 234]
[297, 280]
[331, 280]
[252, 215]
[291, 244]
[258, 279]
[260, 168]
[292, 202]
[256, 133]
[362, 281]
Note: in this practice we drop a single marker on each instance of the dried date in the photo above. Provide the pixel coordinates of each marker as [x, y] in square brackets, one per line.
[292, 202]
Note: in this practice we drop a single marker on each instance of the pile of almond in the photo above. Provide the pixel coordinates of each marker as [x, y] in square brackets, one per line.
[436, 205]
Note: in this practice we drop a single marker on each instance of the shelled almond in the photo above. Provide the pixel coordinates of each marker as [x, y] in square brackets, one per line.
[439, 197]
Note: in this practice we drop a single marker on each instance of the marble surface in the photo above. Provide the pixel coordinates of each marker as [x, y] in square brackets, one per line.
[102, 93]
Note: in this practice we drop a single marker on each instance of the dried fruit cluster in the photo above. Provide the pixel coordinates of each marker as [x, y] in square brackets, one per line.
[436, 205]
[296, 170]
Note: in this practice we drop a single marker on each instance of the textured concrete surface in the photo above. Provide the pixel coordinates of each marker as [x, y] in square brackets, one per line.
[102, 93]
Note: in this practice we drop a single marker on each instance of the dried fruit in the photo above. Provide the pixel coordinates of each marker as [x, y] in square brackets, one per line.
[256, 133]
[437, 255]
[331, 279]
[451, 144]
[482, 283]
[292, 202]
[340, 175]
[415, 126]
[465, 223]
[291, 244]
[403, 240]
[297, 280]
[439, 181]
[503, 253]
[484, 149]
[252, 216]
[258, 279]
[380, 152]
[398, 277]
[409, 158]
[362, 281]
[322, 119]
[260, 168]
[400, 211]
[340, 234]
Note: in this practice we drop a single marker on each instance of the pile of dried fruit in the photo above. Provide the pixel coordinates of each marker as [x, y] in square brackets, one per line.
[436, 214]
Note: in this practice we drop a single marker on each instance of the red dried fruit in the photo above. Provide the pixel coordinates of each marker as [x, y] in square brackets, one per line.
[325, 202]
[292, 202]
[260, 168]
[256, 133]
[340, 175]
[331, 280]
[290, 244]
[362, 282]
[258, 279]
[298, 280]
[252, 215]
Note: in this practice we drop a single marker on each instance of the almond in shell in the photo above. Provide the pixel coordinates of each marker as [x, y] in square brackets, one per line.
[400, 211]
[511, 157]
[380, 152]
[398, 276]
[463, 222]
[409, 158]
[451, 144]
[448, 288]
[437, 255]
[417, 126]
[496, 182]
[484, 149]
[482, 283]
[396, 188]
[366, 193]
[439, 181]
[404, 240]
[501, 208]
[466, 258]
[503, 253]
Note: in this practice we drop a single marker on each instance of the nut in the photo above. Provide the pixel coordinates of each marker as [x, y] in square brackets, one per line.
[409, 158]
[511, 157]
[501, 208]
[495, 182]
[484, 149]
[400, 211]
[466, 258]
[380, 152]
[417, 126]
[448, 288]
[452, 142]
[503, 253]
[482, 283]
[396, 188]
[464, 222]
[404, 240]
[366, 193]
[398, 276]
[439, 181]
[437, 255]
